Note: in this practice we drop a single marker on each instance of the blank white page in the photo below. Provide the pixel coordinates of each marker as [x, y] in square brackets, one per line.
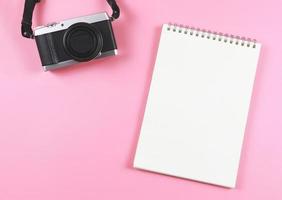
[197, 106]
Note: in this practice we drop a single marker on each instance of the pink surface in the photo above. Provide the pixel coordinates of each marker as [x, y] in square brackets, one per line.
[71, 134]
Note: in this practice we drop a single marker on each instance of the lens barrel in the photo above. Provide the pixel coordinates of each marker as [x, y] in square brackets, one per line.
[83, 42]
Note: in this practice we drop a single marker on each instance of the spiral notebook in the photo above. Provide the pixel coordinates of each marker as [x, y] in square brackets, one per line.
[198, 104]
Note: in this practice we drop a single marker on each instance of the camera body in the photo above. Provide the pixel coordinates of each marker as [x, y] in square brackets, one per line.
[75, 40]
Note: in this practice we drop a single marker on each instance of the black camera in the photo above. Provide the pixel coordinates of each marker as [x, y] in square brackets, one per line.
[74, 40]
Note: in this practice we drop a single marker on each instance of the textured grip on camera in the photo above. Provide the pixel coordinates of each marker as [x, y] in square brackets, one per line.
[47, 50]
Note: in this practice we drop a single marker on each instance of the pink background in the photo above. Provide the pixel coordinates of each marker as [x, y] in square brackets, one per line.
[71, 134]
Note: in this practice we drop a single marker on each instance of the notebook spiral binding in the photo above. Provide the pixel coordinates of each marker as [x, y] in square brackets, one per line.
[227, 38]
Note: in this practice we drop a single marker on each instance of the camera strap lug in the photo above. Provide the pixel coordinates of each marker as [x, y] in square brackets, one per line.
[115, 8]
[27, 18]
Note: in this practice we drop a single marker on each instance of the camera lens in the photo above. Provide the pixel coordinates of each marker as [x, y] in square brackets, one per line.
[83, 42]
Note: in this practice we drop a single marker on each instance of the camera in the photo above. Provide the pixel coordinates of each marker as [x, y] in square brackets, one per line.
[74, 40]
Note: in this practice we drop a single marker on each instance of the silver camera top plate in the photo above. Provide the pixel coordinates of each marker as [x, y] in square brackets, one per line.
[53, 27]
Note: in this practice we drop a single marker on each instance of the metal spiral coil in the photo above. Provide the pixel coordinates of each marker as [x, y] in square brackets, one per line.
[197, 32]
